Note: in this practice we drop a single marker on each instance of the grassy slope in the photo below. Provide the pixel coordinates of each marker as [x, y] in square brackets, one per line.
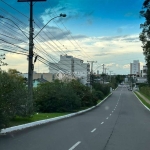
[38, 116]
[142, 100]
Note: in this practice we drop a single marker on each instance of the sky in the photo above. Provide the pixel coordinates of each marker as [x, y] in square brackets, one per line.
[106, 31]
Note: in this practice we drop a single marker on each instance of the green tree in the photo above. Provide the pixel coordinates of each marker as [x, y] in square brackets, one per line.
[104, 88]
[145, 35]
[56, 97]
[13, 96]
[83, 92]
[120, 78]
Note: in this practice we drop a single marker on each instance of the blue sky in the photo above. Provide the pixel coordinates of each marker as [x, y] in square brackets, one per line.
[105, 31]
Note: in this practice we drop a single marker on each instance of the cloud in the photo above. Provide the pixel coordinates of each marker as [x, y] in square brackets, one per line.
[73, 13]
[102, 54]
[110, 64]
[127, 66]
[115, 48]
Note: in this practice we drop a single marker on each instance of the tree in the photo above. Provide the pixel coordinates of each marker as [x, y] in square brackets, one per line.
[145, 35]
[120, 78]
[56, 97]
[13, 96]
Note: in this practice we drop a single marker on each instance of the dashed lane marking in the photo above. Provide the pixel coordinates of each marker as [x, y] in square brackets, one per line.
[75, 145]
[93, 130]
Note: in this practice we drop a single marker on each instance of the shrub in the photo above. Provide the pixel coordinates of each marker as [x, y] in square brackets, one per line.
[99, 95]
[56, 97]
[12, 97]
[104, 88]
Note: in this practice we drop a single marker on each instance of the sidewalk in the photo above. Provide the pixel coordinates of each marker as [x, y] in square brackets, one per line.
[147, 100]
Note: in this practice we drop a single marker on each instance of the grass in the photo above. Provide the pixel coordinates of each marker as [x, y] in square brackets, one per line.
[39, 116]
[144, 95]
[99, 101]
[142, 100]
[36, 117]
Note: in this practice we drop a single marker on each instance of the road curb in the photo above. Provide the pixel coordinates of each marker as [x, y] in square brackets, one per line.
[32, 124]
[141, 102]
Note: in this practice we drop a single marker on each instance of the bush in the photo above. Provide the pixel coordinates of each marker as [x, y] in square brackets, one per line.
[99, 95]
[56, 97]
[12, 97]
[104, 88]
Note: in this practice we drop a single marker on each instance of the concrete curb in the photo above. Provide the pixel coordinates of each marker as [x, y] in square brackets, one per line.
[141, 102]
[32, 124]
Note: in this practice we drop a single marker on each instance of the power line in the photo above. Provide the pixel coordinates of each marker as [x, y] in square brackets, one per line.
[13, 44]
[14, 52]
[15, 9]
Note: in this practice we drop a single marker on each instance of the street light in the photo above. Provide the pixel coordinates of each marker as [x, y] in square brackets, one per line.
[61, 15]
[31, 44]
[14, 24]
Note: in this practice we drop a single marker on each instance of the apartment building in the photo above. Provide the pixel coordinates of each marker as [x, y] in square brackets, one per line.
[71, 67]
[135, 68]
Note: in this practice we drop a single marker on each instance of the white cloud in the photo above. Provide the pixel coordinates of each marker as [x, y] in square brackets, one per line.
[115, 52]
[127, 66]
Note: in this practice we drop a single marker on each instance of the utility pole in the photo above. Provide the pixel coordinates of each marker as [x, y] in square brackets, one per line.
[92, 65]
[72, 68]
[103, 73]
[91, 75]
[30, 57]
[106, 73]
[110, 75]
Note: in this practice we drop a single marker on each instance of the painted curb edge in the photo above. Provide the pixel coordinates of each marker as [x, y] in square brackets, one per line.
[32, 124]
[141, 102]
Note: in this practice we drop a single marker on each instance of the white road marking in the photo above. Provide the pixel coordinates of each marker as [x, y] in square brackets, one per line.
[110, 114]
[102, 123]
[75, 145]
[93, 130]
[112, 111]
[107, 118]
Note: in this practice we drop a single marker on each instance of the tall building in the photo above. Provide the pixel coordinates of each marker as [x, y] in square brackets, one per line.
[135, 68]
[73, 67]
[144, 72]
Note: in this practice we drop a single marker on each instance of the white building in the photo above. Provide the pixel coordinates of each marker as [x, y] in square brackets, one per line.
[73, 67]
[135, 68]
[144, 72]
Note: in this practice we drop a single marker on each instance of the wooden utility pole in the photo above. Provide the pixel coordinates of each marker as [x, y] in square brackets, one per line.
[103, 73]
[91, 74]
[30, 57]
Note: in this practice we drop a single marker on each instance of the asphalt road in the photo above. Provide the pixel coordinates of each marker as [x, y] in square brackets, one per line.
[120, 123]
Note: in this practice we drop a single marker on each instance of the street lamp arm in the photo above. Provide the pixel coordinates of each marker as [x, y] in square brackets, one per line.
[61, 15]
[15, 24]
